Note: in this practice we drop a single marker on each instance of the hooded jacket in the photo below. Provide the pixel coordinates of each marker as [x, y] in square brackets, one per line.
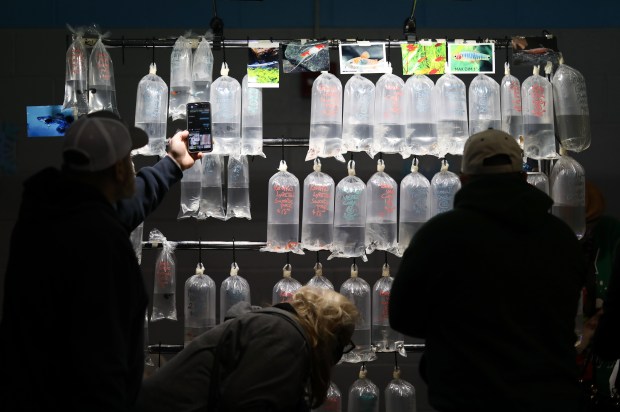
[493, 286]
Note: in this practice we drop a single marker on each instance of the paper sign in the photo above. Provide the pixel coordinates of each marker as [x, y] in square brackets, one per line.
[263, 64]
[423, 58]
[471, 58]
[364, 57]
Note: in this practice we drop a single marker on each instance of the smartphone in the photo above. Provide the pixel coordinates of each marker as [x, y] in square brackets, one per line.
[199, 127]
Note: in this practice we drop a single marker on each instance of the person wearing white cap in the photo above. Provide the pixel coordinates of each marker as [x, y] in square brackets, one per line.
[492, 286]
[71, 335]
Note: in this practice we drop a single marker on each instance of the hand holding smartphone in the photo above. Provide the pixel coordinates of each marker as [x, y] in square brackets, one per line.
[199, 127]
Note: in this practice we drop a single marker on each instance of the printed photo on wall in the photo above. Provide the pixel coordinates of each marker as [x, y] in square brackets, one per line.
[263, 64]
[362, 57]
[534, 51]
[300, 56]
[471, 58]
[424, 57]
[47, 121]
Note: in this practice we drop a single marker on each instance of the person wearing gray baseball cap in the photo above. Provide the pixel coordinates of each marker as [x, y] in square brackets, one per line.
[492, 286]
[82, 299]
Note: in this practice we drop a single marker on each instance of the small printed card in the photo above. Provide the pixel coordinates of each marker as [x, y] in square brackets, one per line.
[424, 57]
[363, 57]
[48, 121]
[263, 64]
[471, 57]
[301, 56]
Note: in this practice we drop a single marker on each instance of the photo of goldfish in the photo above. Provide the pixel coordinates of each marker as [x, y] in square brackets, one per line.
[363, 58]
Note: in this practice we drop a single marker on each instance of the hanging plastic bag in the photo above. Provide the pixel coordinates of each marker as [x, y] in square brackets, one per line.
[538, 128]
[358, 118]
[415, 205]
[202, 72]
[76, 76]
[284, 289]
[283, 213]
[384, 338]
[317, 224]
[152, 113]
[484, 104]
[199, 304]
[539, 180]
[251, 119]
[381, 212]
[421, 131]
[572, 114]
[349, 217]
[238, 188]
[333, 400]
[510, 102]
[450, 103]
[568, 190]
[226, 114]
[389, 114]
[190, 191]
[234, 289]
[164, 290]
[211, 191]
[101, 87]
[364, 394]
[444, 186]
[400, 395]
[326, 118]
[180, 78]
[136, 241]
[318, 280]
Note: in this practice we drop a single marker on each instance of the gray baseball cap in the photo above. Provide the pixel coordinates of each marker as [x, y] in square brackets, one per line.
[491, 152]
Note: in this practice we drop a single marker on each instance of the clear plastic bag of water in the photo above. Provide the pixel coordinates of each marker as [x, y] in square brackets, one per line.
[152, 113]
[538, 127]
[251, 119]
[101, 85]
[211, 190]
[484, 104]
[284, 289]
[349, 217]
[319, 280]
[381, 212]
[450, 102]
[136, 241]
[358, 115]
[510, 102]
[389, 114]
[76, 76]
[317, 222]
[226, 114]
[333, 400]
[421, 130]
[190, 191]
[572, 114]
[234, 289]
[414, 205]
[400, 395]
[199, 304]
[202, 72]
[326, 118]
[539, 180]
[444, 186]
[164, 286]
[180, 78]
[238, 188]
[384, 338]
[568, 190]
[364, 395]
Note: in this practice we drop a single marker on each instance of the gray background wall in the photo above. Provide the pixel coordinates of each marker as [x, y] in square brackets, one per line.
[33, 68]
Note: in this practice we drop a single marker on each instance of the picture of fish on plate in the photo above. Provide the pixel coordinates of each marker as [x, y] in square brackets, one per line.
[263, 64]
[534, 51]
[471, 58]
[299, 56]
[425, 57]
[362, 57]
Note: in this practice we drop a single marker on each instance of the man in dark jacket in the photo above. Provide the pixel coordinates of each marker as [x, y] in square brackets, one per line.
[71, 336]
[493, 286]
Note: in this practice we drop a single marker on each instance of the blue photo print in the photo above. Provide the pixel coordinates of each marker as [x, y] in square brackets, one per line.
[47, 121]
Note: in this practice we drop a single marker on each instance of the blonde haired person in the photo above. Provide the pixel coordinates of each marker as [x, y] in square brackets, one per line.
[260, 359]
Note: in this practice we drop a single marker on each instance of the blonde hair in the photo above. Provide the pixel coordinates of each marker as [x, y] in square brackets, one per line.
[328, 318]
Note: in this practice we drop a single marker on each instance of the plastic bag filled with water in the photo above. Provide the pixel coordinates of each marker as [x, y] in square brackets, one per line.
[226, 114]
[326, 118]
[381, 212]
[444, 186]
[152, 113]
[538, 127]
[101, 86]
[510, 102]
[180, 78]
[319, 280]
[76, 76]
[333, 400]
[358, 291]
[414, 205]
[539, 180]
[164, 286]
[349, 217]
[389, 114]
[568, 190]
[238, 188]
[358, 118]
[420, 131]
[400, 395]
[190, 191]
[251, 119]
[572, 113]
[317, 223]
[202, 72]
[384, 338]
[484, 104]
[211, 191]
[199, 304]
[234, 289]
[284, 289]
[364, 395]
[136, 241]
[450, 103]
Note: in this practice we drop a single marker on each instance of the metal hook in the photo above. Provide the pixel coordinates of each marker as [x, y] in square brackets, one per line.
[233, 249]
[199, 250]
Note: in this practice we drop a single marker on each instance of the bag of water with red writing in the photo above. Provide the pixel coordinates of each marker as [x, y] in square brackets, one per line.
[76, 76]
[101, 86]
[538, 127]
[381, 211]
[164, 287]
[317, 224]
[284, 289]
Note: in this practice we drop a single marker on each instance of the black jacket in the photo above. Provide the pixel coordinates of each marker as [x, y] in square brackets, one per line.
[71, 336]
[493, 287]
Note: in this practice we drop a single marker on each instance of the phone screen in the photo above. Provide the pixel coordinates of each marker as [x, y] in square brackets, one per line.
[199, 127]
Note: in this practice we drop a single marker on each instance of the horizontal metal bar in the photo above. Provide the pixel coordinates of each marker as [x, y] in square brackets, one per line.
[208, 245]
[287, 141]
[173, 349]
